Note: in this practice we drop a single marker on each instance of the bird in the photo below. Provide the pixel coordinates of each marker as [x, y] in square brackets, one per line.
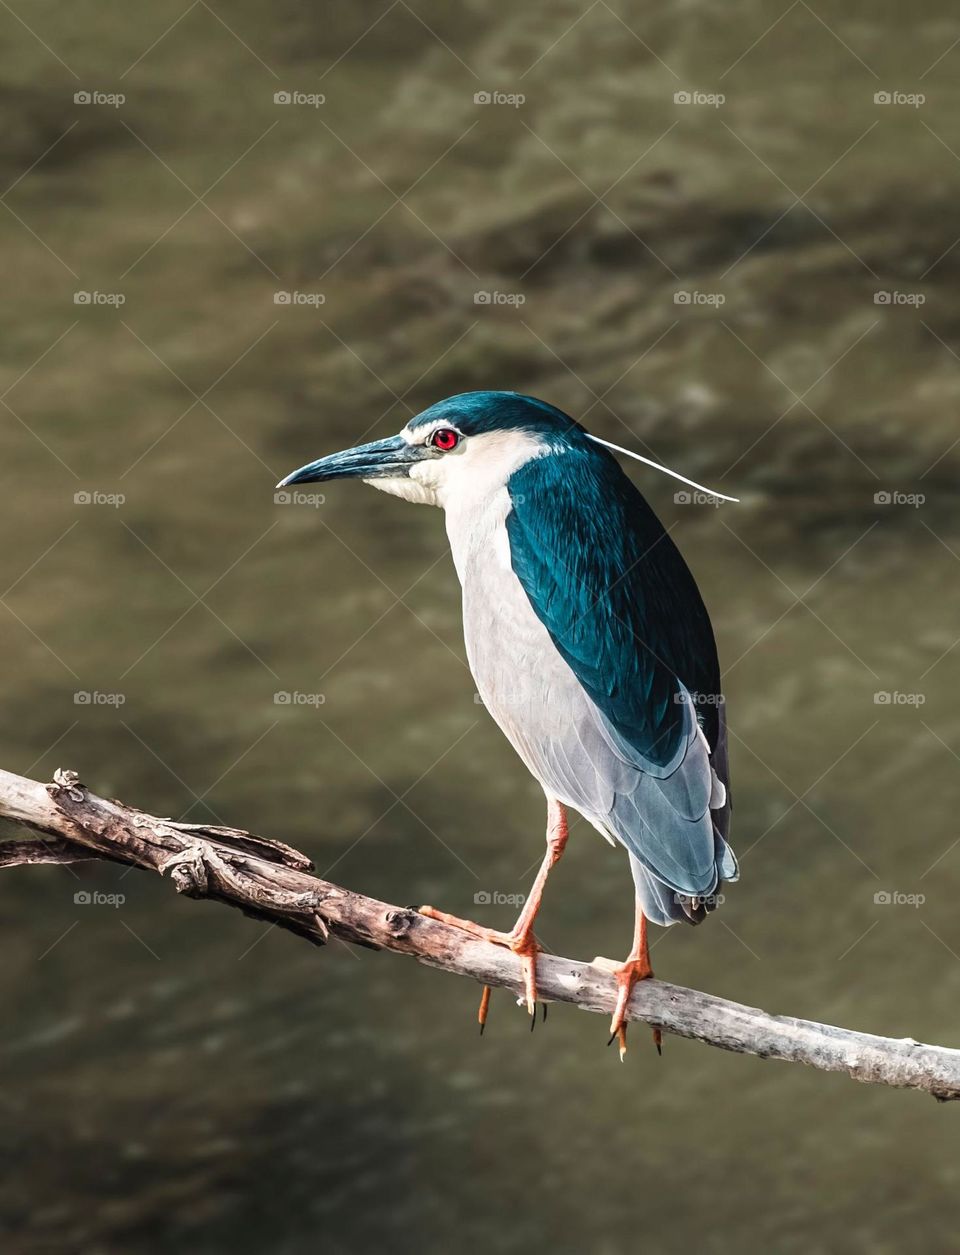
[589, 643]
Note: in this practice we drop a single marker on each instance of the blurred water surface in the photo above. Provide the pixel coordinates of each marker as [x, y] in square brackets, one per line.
[176, 1077]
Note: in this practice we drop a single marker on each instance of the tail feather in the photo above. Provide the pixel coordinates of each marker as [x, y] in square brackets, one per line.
[666, 900]
[664, 905]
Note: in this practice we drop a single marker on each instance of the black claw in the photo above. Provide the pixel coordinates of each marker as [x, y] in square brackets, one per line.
[613, 1038]
[544, 1013]
[533, 1018]
[482, 1027]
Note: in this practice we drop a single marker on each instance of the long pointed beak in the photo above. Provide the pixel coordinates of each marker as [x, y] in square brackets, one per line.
[366, 461]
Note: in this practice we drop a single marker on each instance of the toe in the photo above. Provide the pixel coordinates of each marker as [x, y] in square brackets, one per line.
[484, 1008]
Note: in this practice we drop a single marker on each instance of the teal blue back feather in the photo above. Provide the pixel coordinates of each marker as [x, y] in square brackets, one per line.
[614, 593]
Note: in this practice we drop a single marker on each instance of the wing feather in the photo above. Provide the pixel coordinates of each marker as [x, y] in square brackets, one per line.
[636, 662]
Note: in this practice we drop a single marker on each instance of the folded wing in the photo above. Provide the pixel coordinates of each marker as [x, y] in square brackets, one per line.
[640, 747]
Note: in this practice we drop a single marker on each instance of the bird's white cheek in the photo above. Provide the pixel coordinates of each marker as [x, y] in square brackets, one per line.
[416, 487]
[431, 478]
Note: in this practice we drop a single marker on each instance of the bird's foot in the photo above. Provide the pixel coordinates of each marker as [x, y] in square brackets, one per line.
[520, 940]
[626, 977]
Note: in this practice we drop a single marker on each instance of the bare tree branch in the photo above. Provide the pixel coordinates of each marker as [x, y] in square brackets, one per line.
[272, 881]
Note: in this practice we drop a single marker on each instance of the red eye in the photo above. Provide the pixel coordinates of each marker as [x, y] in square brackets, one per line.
[445, 438]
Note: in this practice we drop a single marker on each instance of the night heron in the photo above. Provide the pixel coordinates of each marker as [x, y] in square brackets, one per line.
[589, 643]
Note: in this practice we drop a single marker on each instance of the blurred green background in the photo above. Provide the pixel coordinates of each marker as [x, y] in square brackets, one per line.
[175, 1077]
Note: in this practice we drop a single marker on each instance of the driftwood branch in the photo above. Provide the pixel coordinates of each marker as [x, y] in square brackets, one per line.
[272, 882]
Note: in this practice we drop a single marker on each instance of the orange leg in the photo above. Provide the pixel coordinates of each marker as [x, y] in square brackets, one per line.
[520, 939]
[637, 967]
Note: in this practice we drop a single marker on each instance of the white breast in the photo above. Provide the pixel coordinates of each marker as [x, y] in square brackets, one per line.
[520, 676]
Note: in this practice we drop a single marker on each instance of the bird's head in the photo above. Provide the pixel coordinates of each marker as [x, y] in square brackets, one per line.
[465, 447]
[467, 443]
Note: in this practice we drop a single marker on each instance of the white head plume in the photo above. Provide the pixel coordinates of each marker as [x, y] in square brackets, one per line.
[657, 467]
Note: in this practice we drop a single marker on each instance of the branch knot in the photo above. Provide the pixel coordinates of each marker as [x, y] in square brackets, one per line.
[188, 872]
[66, 781]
